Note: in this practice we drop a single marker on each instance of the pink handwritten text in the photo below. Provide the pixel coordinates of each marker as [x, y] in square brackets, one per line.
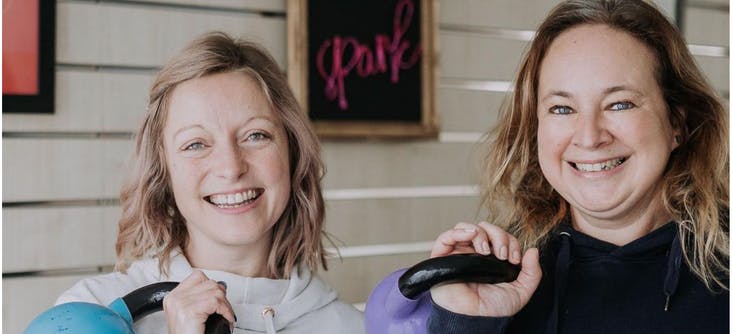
[388, 55]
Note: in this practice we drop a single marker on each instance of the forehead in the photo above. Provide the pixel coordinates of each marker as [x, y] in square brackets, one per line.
[595, 54]
[221, 97]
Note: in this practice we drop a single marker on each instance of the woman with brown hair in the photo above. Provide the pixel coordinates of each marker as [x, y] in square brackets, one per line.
[224, 195]
[610, 168]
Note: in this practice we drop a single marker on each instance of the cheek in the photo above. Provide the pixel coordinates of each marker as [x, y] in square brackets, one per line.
[550, 141]
[279, 167]
[642, 133]
[182, 175]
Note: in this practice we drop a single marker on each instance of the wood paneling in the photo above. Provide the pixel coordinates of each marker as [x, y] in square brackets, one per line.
[706, 26]
[92, 101]
[116, 34]
[472, 56]
[56, 169]
[58, 238]
[395, 164]
[504, 14]
[25, 298]
[354, 278]
[469, 110]
[254, 5]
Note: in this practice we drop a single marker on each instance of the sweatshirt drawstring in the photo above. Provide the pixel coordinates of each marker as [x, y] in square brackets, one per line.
[673, 273]
[268, 314]
[563, 262]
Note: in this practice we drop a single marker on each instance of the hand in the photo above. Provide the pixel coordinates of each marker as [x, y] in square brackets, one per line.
[189, 305]
[493, 300]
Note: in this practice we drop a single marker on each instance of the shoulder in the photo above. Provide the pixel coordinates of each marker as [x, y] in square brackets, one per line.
[103, 289]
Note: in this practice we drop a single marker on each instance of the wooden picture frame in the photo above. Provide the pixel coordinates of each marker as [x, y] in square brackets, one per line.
[365, 68]
[29, 35]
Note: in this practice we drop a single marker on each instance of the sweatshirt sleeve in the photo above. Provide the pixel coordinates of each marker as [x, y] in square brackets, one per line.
[444, 321]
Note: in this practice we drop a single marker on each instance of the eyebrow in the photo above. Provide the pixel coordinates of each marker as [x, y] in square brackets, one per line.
[186, 128]
[620, 88]
[607, 91]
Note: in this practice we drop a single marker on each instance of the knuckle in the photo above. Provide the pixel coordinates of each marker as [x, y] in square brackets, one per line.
[460, 224]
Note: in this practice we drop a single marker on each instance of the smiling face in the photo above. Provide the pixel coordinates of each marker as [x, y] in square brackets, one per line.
[604, 137]
[227, 157]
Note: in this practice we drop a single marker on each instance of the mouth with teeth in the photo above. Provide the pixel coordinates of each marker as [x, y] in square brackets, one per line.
[235, 200]
[598, 167]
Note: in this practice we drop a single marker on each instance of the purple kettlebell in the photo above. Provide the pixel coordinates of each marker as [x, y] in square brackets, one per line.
[401, 302]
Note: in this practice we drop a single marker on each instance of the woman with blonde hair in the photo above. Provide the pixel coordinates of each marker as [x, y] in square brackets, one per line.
[224, 195]
[610, 168]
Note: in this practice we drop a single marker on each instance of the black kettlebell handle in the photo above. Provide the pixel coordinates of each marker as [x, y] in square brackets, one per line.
[467, 268]
[149, 299]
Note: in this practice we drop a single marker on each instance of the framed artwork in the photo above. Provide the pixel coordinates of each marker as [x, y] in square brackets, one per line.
[365, 68]
[28, 56]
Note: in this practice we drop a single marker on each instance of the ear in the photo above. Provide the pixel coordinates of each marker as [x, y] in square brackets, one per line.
[676, 140]
[677, 116]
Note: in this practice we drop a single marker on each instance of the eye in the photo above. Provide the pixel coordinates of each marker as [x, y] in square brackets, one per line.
[560, 110]
[618, 106]
[195, 146]
[257, 136]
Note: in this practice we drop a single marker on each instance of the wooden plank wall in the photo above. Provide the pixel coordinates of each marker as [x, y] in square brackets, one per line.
[62, 172]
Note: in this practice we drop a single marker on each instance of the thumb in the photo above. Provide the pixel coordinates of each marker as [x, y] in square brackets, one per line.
[530, 274]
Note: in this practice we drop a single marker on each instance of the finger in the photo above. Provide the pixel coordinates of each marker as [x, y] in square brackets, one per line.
[229, 310]
[530, 274]
[480, 242]
[515, 250]
[449, 240]
[225, 309]
[195, 278]
[498, 239]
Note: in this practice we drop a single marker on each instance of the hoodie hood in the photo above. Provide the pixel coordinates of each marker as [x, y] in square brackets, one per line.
[262, 304]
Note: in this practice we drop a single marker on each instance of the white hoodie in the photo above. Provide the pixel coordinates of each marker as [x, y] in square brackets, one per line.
[302, 304]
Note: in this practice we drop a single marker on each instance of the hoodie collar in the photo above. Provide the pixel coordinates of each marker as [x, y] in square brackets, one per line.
[263, 304]
[651, 244]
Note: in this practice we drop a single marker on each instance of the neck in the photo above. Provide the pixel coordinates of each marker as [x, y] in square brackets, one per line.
[621, 230]
[250, 261]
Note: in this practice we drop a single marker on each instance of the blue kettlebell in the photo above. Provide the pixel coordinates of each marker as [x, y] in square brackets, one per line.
[117, 318]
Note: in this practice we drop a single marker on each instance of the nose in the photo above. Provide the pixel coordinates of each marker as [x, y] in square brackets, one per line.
[591, 131]
[229, 162]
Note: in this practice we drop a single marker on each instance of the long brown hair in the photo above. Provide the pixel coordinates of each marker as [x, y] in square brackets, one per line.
[151, 224]
[696, 178]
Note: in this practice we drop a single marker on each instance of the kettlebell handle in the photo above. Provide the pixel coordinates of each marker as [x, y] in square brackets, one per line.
[149, 299]
[474, 268]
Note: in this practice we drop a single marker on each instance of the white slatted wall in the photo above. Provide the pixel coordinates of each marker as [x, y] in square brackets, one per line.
[62, 172]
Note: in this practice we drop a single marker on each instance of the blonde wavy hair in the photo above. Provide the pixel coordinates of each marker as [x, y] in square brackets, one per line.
[152, 226]
[696, 178]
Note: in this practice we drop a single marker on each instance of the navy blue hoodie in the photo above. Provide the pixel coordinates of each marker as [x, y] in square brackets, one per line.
[591, 286]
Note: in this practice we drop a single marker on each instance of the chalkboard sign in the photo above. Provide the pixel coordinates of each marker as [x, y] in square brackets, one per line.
[364, 68]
